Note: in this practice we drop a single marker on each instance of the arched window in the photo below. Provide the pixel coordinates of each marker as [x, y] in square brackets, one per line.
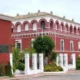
[26, 27]
[75, 30]
[51, 24]
[70, 29]
[18, 28]
[79, 30]
[43, 24]
[11, 29]
[57, 25]
[62, 27]
[34, 26]
[66, 28]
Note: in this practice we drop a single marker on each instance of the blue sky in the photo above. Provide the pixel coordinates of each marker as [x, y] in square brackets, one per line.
[68, 8]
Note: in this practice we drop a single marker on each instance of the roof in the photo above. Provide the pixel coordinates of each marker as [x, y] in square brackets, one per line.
[6, 17]
[31, 15]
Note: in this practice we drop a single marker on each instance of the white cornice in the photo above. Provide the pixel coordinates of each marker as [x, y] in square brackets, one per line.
[5, 17]
[47, 33]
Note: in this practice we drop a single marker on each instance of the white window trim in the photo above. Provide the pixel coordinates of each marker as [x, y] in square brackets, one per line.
[20, 41]
[61, 45]
[33, 39]
[26, 27]
[78, 46]
[72, 45]
[34, 26]
[18, 30]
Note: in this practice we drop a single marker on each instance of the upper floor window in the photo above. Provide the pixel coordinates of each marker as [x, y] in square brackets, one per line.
[78, 46]
[62, 45]
[18, 28]
[61, 28]
[43, 25]
[32, 40]
[18, 44]
[71, 29]
[51, 24]
[26, 27]
[66, 28]
[75, 30]
[71, 46]
[11, 29]
[34, 26]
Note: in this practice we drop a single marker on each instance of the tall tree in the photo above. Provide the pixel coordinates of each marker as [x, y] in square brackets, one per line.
[43, 45]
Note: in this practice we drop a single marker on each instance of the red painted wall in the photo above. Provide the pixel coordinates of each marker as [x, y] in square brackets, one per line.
[5, 38]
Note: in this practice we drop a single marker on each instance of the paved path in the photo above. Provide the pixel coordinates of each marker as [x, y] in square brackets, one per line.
[67, 76]
[71, 75]
[57, 77]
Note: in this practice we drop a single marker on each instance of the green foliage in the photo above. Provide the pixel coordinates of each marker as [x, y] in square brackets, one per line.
[43, 45]
[21, 66]
[1, 70]
[8, 71]
[17, 56]
[52, 67]
[53, 56]
[30, 50]
[78, 63]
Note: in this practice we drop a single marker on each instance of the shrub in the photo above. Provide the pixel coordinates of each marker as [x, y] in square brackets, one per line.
[21, 66]
[52, 67]
[78, 63]
[1, 70]
[53, 56]
[8, 71]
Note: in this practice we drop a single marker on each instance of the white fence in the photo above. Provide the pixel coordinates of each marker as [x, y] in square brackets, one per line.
[62, 60]
[34, 69]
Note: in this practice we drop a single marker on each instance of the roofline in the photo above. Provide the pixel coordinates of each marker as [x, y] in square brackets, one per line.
[49, 15]
[6, 17]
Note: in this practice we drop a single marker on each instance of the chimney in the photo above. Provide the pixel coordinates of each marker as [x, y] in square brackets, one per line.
[73, 20]
[17, 14]
[51, 12]
[28, 13]
[38, 11]
[64, 17]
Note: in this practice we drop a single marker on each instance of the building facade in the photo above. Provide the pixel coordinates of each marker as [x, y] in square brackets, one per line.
[5, 38]
[65, 33]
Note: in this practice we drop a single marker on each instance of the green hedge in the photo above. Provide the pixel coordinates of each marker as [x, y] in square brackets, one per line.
[78, 63]
[52, 67]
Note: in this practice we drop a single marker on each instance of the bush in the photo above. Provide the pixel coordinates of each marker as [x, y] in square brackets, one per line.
[1, 70]
[52, 67]
[78, 63]
[21, 66]
[53, 56]
[8, 71]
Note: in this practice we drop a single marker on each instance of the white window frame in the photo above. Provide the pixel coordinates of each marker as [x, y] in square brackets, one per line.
[26, 27]
[18, 28]
[33, 39]
[61, 45]
[71, 48]
[55, 26]
[18, 41]
[34, 26]
[78, 46]
[61, 28]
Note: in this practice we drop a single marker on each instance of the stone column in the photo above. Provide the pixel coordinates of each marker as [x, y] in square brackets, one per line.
[66, 62]
[27, 69]
[34, 62]
[74, 60]
[57, 60]
[11, 61]
[41, 63]
[61, 60]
